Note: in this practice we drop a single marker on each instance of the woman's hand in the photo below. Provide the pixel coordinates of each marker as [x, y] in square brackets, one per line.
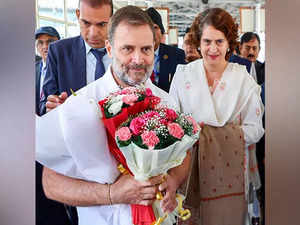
[168, 187]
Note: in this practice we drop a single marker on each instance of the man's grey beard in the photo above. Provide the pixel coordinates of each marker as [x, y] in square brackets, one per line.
[124, 77]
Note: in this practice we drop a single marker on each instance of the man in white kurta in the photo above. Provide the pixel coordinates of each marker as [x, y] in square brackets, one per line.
[71, 139]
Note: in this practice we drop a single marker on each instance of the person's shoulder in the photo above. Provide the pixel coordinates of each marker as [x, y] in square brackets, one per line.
[240, 72]
[238, 59]
[171, 48]
[66, 43]
[259, 63]
[38, 62]
[237, 67]
[175, 54]
[187, 71]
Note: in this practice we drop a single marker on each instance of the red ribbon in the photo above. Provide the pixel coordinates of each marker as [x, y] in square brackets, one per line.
[141, 215]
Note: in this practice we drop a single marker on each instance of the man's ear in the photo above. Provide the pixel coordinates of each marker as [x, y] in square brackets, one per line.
[108, 47]
[77, 13]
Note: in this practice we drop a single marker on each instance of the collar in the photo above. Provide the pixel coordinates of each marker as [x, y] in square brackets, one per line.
[156, 52]
[43, 64]
[108, 76]
[88, 48]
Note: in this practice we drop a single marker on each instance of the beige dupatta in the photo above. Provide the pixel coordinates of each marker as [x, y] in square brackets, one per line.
[215, 187]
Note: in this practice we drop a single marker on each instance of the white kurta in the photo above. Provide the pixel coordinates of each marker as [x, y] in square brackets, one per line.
[71, 140]
[236, 95]
[236, 99]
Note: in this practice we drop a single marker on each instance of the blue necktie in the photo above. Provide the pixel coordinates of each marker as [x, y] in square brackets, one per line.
[100, 69]
[156, 69]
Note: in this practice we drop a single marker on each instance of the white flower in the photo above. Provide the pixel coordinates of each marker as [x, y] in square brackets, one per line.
[116, 99]
[115, 108]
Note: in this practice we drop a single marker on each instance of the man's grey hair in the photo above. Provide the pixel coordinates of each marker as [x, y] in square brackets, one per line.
[131, 15]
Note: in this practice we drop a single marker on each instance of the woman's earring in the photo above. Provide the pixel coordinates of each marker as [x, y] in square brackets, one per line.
[228, 49]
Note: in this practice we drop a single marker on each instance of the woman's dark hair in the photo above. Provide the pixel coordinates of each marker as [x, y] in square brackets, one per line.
[220, 20]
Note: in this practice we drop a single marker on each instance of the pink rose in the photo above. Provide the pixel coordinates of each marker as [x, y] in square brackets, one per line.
[136, 125]
[123, 134]
[170, 114]
[148, 92]
[150, 139]
[130, 99]
[194, 123]
[175, 130]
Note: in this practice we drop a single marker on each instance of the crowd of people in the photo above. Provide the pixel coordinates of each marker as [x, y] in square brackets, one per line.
[214, 78]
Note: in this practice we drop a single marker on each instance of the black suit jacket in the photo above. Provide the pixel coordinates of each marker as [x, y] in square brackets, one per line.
[260, 72]
[169, 58]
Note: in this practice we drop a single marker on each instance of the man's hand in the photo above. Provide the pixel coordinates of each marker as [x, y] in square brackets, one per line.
[130, 191]
[54, 100]
[168, 187]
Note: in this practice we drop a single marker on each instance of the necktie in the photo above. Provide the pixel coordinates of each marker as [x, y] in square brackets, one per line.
[100, 69]
[42, 78]
[155, 74]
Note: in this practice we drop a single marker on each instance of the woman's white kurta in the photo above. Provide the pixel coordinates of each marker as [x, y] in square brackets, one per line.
[236, 99]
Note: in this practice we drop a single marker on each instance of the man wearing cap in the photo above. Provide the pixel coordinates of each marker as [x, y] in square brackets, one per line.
[43, 36]
[166, 57]
[48, 212]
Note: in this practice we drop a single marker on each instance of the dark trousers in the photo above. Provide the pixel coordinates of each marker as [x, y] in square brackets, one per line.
[48, 212]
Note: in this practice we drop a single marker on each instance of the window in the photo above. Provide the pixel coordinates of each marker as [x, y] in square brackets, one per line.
[59, 14]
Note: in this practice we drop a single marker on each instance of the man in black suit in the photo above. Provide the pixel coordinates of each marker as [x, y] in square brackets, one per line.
[249, 48]
[166, 57]
[48, 212]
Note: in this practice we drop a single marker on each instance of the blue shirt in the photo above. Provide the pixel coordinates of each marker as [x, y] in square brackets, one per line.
[91, 62]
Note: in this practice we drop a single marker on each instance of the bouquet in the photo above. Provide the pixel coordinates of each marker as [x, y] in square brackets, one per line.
[156, 140]
[147, 139]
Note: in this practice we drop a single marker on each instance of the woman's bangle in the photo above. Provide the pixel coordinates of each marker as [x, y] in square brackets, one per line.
[109, 198]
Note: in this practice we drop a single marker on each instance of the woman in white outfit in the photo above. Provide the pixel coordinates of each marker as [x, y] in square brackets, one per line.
[225, 99]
